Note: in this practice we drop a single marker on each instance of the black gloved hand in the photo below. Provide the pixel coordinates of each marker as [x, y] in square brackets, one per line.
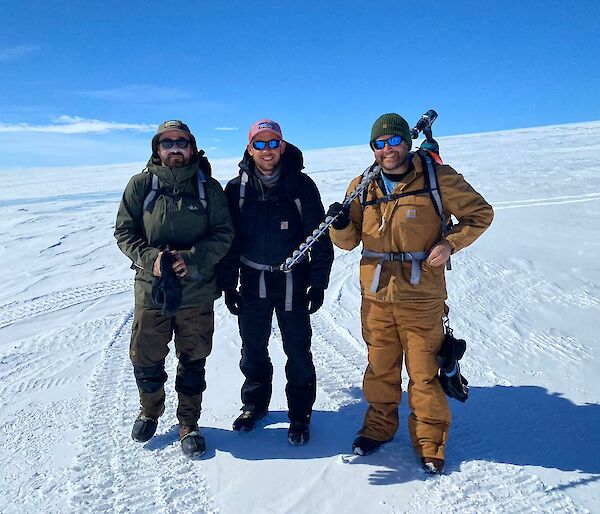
[233, 300]
[166, 289]
[453, 383]
[455, 386]
[315, 297]
[343, 220]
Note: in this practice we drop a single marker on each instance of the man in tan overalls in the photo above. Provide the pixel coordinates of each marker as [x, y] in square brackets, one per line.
[405, 247]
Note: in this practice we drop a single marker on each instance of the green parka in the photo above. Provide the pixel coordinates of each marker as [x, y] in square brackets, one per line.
[178, 219]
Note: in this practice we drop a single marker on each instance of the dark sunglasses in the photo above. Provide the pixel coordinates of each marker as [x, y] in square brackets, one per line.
[168, 143]
[261, 145]
[379, 144]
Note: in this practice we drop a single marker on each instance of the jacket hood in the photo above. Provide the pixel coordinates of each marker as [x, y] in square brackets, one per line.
[291, 162]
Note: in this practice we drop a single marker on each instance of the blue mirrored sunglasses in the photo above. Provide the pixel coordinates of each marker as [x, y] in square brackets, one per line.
[168, 143]
[261, 145]
[379, 144]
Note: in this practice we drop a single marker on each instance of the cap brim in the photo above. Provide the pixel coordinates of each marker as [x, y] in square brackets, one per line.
[264, 131]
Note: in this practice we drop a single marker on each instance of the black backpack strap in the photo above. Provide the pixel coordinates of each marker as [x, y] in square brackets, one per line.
[152, 195]
[202, 188]
[435, 192]
[365, 191]
[243, 181]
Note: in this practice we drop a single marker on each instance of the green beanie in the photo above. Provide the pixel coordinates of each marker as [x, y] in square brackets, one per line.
[391, 124]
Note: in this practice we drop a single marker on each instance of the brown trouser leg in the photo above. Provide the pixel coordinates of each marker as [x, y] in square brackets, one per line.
[194, 330]
[150, 337]
[413, 330]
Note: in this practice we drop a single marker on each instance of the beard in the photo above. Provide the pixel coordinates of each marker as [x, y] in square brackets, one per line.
[176, 159]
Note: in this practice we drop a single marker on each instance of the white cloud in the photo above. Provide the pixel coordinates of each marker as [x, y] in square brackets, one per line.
[16, 52]
[138, 93]
[227, 129]
[76, 125]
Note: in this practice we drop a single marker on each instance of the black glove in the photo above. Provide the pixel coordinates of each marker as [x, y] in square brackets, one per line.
[455, 386]
[453, 383]
[343, 220]
[315, 297]
[233, 300]
[166, 289]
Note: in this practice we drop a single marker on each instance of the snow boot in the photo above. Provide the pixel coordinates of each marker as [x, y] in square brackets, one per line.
[248, 419]
[192, 442]
[144, 428]
[365, 445]
[299, 432]
[433, 466]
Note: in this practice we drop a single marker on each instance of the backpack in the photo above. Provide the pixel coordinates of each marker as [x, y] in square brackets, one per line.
[155, 191]
[431, 188]
[244, 180]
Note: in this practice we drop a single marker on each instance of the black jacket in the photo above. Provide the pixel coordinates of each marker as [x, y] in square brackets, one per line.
[270, 227]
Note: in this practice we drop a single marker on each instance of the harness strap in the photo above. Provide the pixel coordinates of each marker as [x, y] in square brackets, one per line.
[413, 257]
[202, 188]
[262, 286]
[392, 197]
[434, 191]
[151, 198]
[243, 182]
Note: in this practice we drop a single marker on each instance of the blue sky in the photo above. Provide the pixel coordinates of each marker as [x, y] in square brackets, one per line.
[87, 82]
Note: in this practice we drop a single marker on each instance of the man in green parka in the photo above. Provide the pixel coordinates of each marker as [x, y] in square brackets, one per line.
[173, 223]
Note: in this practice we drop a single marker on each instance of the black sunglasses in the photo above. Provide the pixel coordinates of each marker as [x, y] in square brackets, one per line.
[168, 143]
[379, 144]
[261, 145]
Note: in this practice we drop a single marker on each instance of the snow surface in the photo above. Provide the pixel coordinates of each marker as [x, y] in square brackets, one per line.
[526, 297]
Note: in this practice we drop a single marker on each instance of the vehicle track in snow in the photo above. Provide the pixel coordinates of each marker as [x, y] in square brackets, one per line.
[13, 312]
[540, 202]
[490, 487]
[112, 473]
[41, 392]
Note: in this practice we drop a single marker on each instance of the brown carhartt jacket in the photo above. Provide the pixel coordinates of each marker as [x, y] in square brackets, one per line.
[411, 224]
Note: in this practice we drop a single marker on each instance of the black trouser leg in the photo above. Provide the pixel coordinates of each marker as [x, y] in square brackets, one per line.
[299, 369]
[255, 328]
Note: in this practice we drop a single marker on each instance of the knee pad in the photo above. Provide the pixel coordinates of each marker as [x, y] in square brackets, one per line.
[150, 379]
[190, 377]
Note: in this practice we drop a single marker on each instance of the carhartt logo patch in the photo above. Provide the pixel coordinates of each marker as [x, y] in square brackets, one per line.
[411, 213]
[284, 225]
[385, 125]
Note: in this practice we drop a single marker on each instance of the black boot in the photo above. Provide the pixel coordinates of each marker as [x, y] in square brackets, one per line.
[299, 432]
[144, 428]
[365, 445]
[193, 443]
[247, 420]
[433, 466]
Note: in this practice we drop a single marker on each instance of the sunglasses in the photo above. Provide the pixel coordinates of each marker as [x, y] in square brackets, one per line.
[379, 144]
[261, 145]
[168, 143]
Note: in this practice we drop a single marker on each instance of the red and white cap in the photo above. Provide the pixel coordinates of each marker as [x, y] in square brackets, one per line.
[264, 125]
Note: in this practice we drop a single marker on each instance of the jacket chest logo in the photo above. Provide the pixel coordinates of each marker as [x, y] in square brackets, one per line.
[411, 213]
[284, 225]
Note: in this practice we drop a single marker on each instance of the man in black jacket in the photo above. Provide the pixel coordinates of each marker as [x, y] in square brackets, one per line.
[274, 207]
